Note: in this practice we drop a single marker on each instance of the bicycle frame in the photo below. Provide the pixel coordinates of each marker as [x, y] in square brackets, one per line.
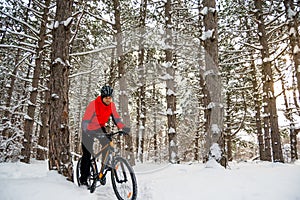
[109, 148]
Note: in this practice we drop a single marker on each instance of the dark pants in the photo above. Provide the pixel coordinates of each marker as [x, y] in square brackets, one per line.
[87, 151]
[85, 164]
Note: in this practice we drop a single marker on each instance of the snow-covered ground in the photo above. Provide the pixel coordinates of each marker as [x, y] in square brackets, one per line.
[241, 181]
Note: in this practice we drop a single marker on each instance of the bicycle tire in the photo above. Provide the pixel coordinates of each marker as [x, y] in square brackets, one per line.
[123, 179]
[91, 180]
[78, 174]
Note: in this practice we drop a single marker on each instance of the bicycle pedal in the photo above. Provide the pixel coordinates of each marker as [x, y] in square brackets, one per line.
[92, 188]
[103, 180]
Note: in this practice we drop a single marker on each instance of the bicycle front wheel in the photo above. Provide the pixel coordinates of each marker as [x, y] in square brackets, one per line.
[123, 179]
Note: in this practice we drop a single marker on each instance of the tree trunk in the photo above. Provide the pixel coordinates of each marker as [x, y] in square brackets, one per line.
[138, 114]
[264, 153]
[227, 131]
[258, 122]
[44, 131]
[29, 121]
[7, 114]
[294, 38]
[122, 81]
[292, 15]
[113, 71]
[204, 101]
[268, 86]
[155, 138]
[59, 147]
[171, 98]
[77, 140]
[142, 78]
[214, 138]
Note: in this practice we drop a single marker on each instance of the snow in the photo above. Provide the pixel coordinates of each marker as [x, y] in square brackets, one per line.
[170, 92]
[171, 130]
[55, 96]
[296, 49]
[267, 60]
[166, 64]
[59, 60]
[246, 180]
[292, 31]
[56, 24]
[216, 151]
[215, 129]
[27, 117]
[166, 77]
[211, 105]
[291, 13]
[207, 34]
[68, 21]
[208, 72]
[169, 111]
[204, 11]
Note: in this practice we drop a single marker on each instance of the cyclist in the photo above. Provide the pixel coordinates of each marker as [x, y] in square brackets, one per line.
[95, 117]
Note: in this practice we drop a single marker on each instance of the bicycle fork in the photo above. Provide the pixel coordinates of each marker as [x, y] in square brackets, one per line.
[118, 179]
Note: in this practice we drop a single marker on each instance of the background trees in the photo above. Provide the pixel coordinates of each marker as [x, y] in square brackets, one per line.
[175, 70]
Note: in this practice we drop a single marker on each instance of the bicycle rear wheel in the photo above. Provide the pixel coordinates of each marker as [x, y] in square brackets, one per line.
[123, 179]
[78, 173]
[91, 180]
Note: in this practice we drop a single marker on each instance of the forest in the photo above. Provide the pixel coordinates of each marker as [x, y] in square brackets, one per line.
[194, 79]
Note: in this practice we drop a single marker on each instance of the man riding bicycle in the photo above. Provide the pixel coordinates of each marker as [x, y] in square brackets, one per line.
[95, 117]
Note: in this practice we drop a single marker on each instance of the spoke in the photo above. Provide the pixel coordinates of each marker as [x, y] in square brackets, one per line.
[123, 181]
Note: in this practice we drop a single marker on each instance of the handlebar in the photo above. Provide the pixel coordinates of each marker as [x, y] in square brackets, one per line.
[115, 133]
[110, 135]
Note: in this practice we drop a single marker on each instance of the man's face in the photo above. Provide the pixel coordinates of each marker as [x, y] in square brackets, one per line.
[107, 100]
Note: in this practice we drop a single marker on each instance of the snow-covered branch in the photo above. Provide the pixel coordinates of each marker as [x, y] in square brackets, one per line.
[17, 47]
[93, 51]
[35, 32]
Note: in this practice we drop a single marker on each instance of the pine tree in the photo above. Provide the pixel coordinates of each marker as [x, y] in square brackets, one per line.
[214, 107]
[141, 119]
[59, 144]
[122, 79]
[29, 121]
[171, 97]
[270, 109]
[294, 38]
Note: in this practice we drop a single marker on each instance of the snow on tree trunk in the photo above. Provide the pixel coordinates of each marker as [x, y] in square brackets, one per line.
[59, 144]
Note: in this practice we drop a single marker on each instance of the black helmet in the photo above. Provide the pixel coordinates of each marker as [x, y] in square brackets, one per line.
[106, 91]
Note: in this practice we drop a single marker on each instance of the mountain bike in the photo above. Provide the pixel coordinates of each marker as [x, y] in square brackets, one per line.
[122, 175]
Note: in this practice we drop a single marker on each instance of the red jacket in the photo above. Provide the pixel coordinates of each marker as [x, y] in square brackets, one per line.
[97, 115]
